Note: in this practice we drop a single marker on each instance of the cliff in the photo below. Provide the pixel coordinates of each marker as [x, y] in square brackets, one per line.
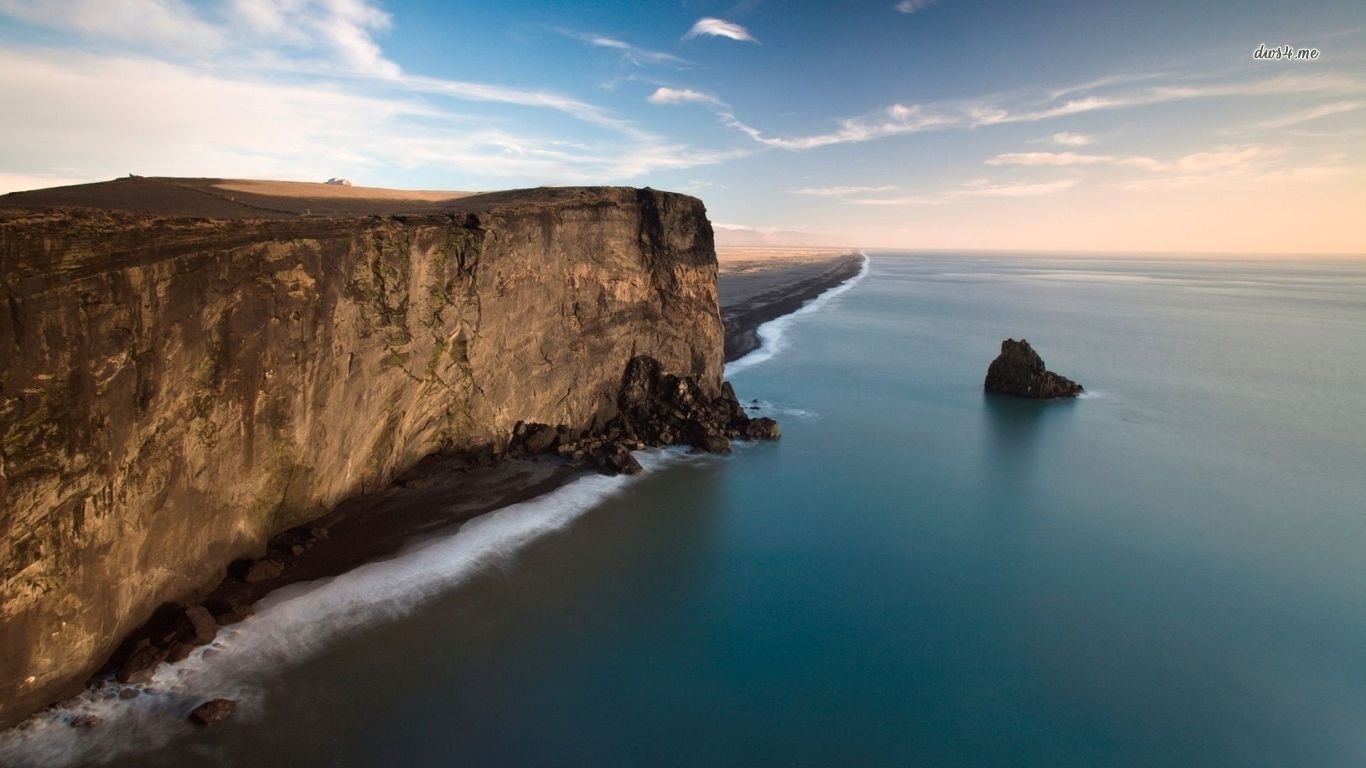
[176, 390]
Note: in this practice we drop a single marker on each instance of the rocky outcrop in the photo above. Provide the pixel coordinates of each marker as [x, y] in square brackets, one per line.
[1019, 371]
[654, 408]
[175, 391]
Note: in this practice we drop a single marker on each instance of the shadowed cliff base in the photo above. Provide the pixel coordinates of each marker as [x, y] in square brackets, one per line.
[655, 409]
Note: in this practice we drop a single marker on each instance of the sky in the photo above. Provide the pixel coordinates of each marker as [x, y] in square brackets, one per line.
[1092, 126]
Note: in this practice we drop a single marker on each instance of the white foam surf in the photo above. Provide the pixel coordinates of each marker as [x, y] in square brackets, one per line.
[772, 335]
[296, 622]
[759, 407]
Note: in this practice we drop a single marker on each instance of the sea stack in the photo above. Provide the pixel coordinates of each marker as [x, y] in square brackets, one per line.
[1019, 371]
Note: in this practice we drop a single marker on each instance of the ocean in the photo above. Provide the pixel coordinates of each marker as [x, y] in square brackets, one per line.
[1165, 572]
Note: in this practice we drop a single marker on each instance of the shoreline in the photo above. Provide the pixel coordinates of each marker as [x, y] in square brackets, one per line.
[774, 287]
[443, 493]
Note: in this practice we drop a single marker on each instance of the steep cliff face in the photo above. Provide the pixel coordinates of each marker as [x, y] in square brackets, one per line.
[173, 391]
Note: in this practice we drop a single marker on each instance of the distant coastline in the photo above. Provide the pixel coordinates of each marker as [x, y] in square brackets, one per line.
[757, 285]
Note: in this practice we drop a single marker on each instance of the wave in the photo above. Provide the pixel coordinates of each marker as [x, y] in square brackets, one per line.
[294, 623]
[771, 334]
[757, 407]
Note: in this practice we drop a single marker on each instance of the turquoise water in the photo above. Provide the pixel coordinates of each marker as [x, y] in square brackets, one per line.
[1165, 573]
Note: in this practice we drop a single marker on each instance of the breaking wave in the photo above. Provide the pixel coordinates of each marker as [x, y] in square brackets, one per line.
[772, 334]
[294, 623]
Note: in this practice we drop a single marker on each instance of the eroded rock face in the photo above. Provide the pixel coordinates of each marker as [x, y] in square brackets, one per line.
[654, 409]
[1019, 371]
[175, 391]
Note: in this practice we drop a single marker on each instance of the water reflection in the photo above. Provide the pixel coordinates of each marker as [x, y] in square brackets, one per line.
[1015, 429]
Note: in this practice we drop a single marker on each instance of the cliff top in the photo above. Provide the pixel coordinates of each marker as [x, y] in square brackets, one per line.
[166, 196]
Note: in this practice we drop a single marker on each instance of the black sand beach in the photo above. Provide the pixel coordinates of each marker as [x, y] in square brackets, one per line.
[441, 493]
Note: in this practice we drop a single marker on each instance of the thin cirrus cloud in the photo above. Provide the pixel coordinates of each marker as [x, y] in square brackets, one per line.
[1047, 158]
[308, 92]
[972, 189]
[1219, 159]
[1071, 139]
[841, 191]
[1248, 164]
[710, 27]
[894, 120]
[632, 54]
[1314, 113]
[901, 119]
[913, 6]
[989, 189]
[667, 95]
[161, 23]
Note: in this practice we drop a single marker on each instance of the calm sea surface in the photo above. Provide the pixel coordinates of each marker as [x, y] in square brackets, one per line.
[1168, 572]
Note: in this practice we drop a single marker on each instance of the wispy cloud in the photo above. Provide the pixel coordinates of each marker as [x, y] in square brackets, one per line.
[160, 23]
[1204, 162]
[306, 93]
[345, 28]
[629, 53]
[1047, 158]
[502, 94]
[971, 189]
[1024, 107]
[1218, 159]
[1313, 113]
[1070, 139]
[719, 28]
[913, 6]
[697, 185]
[900, 200]
[1247, 167]
[892, 121]
[666, 95]
[983, 188]
[841, 191]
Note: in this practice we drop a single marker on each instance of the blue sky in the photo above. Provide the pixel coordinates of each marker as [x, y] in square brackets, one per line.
[921, 123]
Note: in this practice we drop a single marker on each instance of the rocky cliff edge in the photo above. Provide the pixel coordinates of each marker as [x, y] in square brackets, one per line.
[176, 389]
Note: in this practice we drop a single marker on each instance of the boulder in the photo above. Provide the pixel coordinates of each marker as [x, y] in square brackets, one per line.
[621, 462]
[535, 438]
[141, 664]
[178, 651]
[263, 570]
[763, 429]
[714, 444]
[211, 712]
[197, 626]
[1019, 371]
[230, 611]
